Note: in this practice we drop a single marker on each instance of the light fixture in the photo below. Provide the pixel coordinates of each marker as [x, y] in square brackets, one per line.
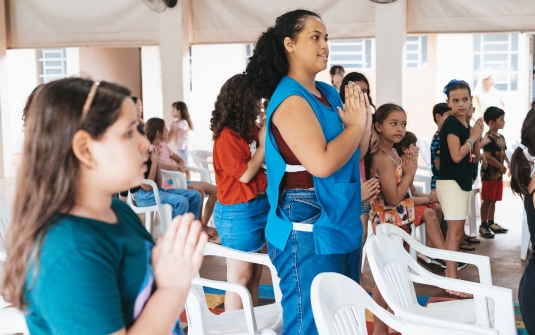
[382, 1]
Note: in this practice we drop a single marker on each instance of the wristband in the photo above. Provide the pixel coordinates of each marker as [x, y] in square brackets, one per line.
[430, 200]
[470, 144]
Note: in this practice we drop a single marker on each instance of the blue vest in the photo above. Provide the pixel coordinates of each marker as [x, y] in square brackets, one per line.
[339, 228]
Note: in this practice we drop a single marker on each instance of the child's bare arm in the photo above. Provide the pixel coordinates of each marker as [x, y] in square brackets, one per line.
[494, 162]
[393, 193]
[155, 155]
[437, 163]
[458, 151]
[158, 177]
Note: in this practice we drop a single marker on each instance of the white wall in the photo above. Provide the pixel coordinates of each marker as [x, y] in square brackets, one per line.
[22, 78]
[151, 82]
[212, 65]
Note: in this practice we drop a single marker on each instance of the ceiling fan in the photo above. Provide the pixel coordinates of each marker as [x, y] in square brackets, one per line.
[160, 5]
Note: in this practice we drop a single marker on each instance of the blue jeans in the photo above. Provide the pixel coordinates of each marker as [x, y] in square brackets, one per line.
[183, 201]
[241, 226]
[298, 264]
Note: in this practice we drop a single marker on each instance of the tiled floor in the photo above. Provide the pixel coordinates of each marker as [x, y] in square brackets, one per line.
[503, 250]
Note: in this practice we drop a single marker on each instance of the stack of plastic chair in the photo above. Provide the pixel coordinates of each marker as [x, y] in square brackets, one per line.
[339, 305]
[11, 319]
[394, 271]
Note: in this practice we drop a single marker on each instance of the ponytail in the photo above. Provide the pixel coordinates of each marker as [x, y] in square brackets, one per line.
[269, 62]
[520, 172]
[521, 166]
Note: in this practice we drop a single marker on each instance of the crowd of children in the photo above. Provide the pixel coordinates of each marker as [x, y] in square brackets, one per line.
[288, 173]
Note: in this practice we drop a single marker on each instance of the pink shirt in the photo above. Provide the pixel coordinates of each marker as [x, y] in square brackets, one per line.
[182, 139]
[165, 158]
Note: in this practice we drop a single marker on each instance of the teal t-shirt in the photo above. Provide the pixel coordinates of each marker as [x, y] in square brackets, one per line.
[93, 277]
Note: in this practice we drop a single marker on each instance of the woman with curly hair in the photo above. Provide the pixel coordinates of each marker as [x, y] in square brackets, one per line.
[240, 214]
[312, 159]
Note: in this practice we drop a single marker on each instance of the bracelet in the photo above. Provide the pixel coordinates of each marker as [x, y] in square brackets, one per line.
[470, 144]
[430, 200]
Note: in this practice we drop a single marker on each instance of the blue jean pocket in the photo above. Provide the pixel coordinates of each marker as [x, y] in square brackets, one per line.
[303, 210]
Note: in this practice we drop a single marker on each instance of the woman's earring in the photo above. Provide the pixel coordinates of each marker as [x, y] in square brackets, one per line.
[92, 166]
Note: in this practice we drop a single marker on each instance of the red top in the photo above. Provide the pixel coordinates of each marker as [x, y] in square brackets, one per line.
[231, 154]
[293, 180]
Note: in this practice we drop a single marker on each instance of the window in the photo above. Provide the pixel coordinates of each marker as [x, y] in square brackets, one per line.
[416, 52]
[248, 53]
[52, 64]
[500, 53]
[355, 54]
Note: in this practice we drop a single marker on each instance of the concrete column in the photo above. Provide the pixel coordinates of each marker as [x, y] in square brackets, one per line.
[4, 104]
[174, 45]
[390, 35]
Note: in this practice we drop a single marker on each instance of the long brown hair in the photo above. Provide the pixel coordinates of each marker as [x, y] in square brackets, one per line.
[379, 117]
[48, 178]
[237, 108]
[184, 113]
[153, 125]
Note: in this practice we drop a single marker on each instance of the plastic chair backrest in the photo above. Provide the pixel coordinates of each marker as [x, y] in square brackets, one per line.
[391, 265]
[178, 178]
[339, 304]
[12, 321]
[425, 150]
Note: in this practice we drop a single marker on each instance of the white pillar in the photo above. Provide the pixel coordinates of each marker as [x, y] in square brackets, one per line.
[390, 35]
[4, 104]
[174, 44]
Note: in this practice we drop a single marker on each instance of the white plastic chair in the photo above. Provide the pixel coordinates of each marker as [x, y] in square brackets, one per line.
[258, 320]
[12, 321]
[178, 178]
[203, 159]
[474, 207]
[420, 231]
[490, 312]
[165, 211]
[5, 217]
[339, 304]
[424, 172]
[481, 262]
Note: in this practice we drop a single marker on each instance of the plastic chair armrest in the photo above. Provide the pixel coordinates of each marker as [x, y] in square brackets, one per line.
[241, 291]
[213, 249]
[205, 174]
[481, 262]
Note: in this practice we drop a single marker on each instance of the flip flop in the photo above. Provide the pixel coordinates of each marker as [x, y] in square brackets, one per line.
[467, 247]
[472, 239]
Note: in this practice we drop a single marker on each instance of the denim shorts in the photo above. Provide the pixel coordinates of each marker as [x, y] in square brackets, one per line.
[299, 264]
[241, 226]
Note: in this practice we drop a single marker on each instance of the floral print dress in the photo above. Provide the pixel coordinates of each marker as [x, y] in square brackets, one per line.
[402, 214]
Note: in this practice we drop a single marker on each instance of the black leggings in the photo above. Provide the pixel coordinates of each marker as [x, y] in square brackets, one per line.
[526, 297]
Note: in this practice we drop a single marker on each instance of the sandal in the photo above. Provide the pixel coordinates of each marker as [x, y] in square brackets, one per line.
[472, 240]
[459, 295]
[465, 246]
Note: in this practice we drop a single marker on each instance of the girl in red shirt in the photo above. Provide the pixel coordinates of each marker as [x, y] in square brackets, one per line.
[241, 210]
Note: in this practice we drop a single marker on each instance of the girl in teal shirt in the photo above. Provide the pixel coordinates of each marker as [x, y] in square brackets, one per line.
[79, 262]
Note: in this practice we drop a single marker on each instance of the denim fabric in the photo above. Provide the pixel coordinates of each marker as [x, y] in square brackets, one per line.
[241, 226]
[298, 264]
[366, 208]
[182, 200]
